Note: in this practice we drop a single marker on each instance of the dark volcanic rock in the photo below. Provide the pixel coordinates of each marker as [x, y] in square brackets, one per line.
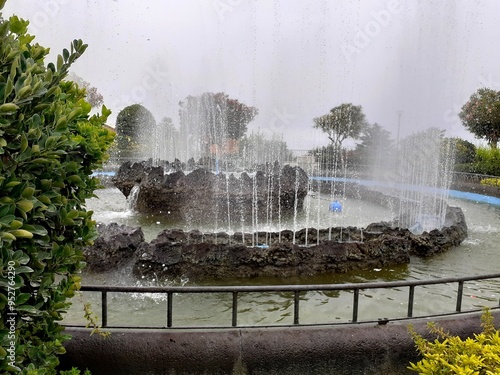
[197, 255]
[129, 175]
[115, 246]
[202, 196]
[176, 253]
[166, 259]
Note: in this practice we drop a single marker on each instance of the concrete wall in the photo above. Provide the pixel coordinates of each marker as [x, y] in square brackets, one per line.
[365, 348]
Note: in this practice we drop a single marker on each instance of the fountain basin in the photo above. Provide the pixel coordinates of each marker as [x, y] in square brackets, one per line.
[196, 255]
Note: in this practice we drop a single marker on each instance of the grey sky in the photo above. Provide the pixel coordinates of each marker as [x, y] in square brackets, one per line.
[292, 59]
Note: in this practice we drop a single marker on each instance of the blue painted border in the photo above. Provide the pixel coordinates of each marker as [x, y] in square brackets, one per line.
[478, 198]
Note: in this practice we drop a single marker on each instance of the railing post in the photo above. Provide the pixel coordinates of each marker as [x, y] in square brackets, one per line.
[411, 298]
[355, 306]
[460, 295]
[104, 308]
[170, 297]
[234, 322]
[296, 299]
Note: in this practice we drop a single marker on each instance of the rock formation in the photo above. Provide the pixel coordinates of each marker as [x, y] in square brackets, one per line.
[115, 247]
[197, 255]
[202, 196]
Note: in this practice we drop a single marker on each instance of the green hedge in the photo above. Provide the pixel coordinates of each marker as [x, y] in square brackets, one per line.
[49, 147]
[486, 161]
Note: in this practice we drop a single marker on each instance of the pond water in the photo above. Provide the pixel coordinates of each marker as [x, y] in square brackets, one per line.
[478, 254]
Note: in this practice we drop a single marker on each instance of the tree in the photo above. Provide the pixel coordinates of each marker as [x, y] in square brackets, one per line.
[49, 148]
[135, 128]
[326, 157]
[465, 151]
[215, 119]
[376, 146]
[256, 149]
[481, 115]
[343, 121]
[168, 136]
[92, 96]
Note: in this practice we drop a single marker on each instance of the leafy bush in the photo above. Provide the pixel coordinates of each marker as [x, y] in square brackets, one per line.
[465, 151]
[491, 182]
[49, 147]
[135, 127]
[452, 355]
[486, 161]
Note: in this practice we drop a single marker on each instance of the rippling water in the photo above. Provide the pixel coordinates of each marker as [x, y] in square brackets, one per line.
[478, 254]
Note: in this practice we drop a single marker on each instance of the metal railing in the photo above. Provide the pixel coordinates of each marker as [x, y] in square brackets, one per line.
[236, 291]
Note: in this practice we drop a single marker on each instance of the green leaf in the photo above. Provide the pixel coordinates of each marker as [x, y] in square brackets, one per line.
[24, 269]
[18, 26]
[24, 143]
[16, 224]
[4, 210]
[39, 230]
[74, 113]
[28, 309]
[12, 184]
[75, 179]
[43, 255]
[65, 54]
[68, 221]
[60, 62]
[8, 108]
[25, 205]
[73, 214]
[22, 298]
[21, 257]
[21, 233]
[7, 219]
[3, 352]
[9, 86]
[6, 236]
[28, 192]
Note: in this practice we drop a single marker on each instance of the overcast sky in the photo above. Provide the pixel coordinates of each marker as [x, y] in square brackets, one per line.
[292, 59]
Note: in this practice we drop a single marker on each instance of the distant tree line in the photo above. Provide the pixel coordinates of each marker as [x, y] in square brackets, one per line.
[213, 125]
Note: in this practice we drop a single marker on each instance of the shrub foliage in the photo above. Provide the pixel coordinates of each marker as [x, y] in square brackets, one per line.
[452, 355]
[49, 146]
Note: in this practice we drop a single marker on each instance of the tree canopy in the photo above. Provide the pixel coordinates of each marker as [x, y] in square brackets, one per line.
[343, 121]
[376, 145]
[215, 118]
[481, 115]
[464, 151]
[258, 150]
[92, 96]
[135, 127]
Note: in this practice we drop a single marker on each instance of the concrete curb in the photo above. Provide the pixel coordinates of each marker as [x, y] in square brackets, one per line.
[351, 349]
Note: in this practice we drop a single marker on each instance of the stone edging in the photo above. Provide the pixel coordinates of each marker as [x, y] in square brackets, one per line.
[351, 349]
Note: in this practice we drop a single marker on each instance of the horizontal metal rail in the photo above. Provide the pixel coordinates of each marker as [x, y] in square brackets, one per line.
[236, 291]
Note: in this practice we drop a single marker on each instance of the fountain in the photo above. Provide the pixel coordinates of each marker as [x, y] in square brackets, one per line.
[293, 61]
[200, 196]
[249, 239]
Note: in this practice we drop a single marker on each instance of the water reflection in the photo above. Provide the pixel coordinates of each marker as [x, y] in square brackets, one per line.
[479, 254]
